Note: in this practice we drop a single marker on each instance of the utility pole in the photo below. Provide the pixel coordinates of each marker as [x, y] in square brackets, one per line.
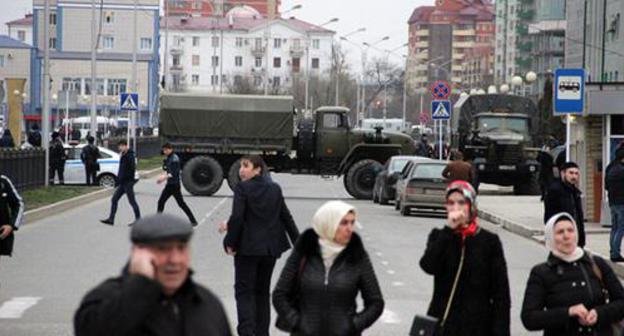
[45, 115]
[166, 59]
[94, 86]
[134, 75]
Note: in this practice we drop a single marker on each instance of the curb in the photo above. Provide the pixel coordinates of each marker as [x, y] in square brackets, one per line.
[537, 236]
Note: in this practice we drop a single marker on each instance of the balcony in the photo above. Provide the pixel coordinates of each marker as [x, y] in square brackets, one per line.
[526, 15]
[258, 51]
[522, 30]
[176, 50]
[463, 32]
[176, 68]
[297, 51]
[526, 47]
[422, 32]
[421, 44]
[463, 44]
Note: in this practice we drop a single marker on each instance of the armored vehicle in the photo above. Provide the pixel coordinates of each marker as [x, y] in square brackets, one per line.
[212, 133]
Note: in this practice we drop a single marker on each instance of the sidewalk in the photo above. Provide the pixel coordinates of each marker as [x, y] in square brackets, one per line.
[524, 216]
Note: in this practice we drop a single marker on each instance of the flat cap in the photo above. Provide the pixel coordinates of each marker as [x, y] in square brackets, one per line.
[160, 227]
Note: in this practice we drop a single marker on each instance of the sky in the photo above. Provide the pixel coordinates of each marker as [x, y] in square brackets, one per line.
[380, 18]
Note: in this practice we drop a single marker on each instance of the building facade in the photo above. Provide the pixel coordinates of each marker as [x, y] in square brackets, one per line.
[15, 59]
[479, 67]
[229, 55]
[70, 56]
[267, 8]
[21, 29]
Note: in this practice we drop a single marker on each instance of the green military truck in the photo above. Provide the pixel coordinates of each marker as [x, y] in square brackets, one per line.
[497, 132]
[212, 132]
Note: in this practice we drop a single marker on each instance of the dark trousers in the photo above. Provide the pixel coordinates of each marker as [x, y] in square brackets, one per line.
[252, 288]
[128, 189]
[175, 191]
[58, 169]
[91, 175]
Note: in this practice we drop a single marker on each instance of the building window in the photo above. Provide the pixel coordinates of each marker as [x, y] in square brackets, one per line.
[277, 43]
[116, 86]
[315, 63]
[214, 80]
[277, 62]
[224, 79]
[108, 42]
[109, 18]
[316, 44]
[53, 19]
[297, 43]
[146, 43]
[178, 40]
[296, 64]
[100, 86]
[1, 61]
[71, 84]
[276, 81]
[258, 62]
[197, 4]
[215, 41]
[195, 60]
[195, 41]
[195, 80]
[238, 80]
[176, 60]
[258, 43]
[257, 80]
[52, 42]
[239, 42]
[215, 61]
[238, 61]
[21, 35]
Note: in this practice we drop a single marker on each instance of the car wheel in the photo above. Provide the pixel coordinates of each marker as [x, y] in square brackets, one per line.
[397, 204]
[107, 181]
[404, 210]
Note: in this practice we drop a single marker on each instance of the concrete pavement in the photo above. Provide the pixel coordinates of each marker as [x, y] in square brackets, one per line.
[58, 259]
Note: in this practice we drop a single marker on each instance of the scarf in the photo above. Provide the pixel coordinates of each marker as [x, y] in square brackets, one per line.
[325, 223]
[470, 195]
[549, 236]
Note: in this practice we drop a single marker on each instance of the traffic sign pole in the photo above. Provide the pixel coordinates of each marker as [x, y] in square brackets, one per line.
[568, 136]
[441, 138]
[569, 88]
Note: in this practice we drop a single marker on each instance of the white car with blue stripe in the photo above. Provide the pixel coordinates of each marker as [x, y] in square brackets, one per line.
[75, 170]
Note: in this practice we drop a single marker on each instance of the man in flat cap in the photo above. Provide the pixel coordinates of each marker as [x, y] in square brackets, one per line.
[155, 294]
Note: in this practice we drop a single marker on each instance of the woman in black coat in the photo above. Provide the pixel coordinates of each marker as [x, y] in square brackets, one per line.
[573, 292]
[317, 290]
[480, 303]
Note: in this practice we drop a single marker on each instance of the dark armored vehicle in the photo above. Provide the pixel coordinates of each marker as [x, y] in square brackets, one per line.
[211, 133]
[496, 132]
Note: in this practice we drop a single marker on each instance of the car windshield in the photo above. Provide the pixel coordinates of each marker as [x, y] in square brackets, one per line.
[397, 165]
[517, 125]
[429, 171]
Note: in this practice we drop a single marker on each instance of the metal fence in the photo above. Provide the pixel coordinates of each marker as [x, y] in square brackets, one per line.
[146, 146]
[25, 167]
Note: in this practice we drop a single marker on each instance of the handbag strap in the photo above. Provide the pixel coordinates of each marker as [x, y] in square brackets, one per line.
[454, 288]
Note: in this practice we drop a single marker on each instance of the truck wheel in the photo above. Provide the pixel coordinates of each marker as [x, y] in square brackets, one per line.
[528, 187]
[233, 177]
[360, 178]
[202, 176]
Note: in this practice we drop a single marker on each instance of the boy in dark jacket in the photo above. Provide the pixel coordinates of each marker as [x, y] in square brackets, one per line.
[172, 168]
[564, 196]
[57, 159]
[89, 156]
[11, 214]
[125, 183]
[614, 184]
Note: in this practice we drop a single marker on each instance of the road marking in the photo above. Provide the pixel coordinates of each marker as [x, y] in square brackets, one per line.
[389, 317]
[211, 212]
[398, 284]
[359, 225]
[390, 272]
[384, 262]
[367, 238]
[15, 308]
[379, 254]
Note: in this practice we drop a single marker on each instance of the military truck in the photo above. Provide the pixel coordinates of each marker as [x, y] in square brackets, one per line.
[212, 132]
[496, 132]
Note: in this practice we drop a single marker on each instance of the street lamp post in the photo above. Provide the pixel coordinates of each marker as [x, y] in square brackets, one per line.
[388, 52]
[368, 45]
[338, 67]
[307, 77]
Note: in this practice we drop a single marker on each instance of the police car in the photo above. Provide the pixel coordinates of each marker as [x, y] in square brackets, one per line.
[75, 169]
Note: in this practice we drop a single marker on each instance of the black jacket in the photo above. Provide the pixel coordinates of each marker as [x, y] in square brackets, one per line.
[89, 155]
[614, 182]
[134, 305]
[127, 168]
[556, 285]
[260, 220]
[481, 305]
[57, 154]
[327, 307]
[11, 204]
[172, 166]
[564, 197]
[6, 141]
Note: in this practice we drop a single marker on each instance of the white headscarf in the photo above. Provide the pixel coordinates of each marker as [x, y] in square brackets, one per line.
[325, 223]
[549, 235]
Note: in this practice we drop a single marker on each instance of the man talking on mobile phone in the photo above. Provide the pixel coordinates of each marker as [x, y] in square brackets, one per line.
[155, 294]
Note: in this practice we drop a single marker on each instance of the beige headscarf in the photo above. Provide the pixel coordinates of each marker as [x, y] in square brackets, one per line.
[549, 236]
[325, 223]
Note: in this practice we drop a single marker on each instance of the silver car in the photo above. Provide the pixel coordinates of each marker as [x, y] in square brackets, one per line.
[421, 185]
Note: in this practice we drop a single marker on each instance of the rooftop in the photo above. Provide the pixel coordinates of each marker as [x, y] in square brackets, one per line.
[25, 21]
[236, 23]
[7, 42]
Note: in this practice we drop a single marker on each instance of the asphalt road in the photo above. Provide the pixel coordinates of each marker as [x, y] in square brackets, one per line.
[57, 260]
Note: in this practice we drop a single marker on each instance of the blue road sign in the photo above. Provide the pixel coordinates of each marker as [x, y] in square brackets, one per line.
[440, 109]
[569, 91]
[129, 101]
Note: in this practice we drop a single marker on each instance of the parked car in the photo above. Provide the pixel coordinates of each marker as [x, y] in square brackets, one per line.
[421, 185]
[385, 182]
[75, 169]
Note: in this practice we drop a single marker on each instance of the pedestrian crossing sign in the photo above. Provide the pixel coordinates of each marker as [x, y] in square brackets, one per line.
[129, 101]
[440, 109]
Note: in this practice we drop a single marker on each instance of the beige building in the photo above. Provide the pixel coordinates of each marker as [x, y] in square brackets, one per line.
[21, 29]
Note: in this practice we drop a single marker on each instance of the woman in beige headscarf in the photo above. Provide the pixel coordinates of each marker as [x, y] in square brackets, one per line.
[317, 290]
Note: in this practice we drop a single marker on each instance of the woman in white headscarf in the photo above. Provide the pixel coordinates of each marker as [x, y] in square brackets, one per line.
[573, 292]
[328, 268]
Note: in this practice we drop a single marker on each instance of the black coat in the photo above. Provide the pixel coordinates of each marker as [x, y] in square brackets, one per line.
[556, 285]
[127, 168]
[327, 307]
[482, 302]
[57, 154]
[614, 182]
[89, 156]
[134, 305]
[260, 220]
[564, 197]
[172, 166]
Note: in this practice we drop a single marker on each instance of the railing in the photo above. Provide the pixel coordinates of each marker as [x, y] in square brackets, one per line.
[25, 167]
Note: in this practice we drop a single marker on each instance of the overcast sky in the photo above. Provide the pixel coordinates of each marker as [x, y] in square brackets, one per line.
[380, 18]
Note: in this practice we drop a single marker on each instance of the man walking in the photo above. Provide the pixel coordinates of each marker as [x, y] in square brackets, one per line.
[614, 184]
[172, 187]
[89, 156]
[125, 183]
[57, 158]
[564, 196]
[155, 294]
[11, 214]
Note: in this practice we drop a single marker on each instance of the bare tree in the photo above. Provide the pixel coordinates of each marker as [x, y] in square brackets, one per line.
[242, 85]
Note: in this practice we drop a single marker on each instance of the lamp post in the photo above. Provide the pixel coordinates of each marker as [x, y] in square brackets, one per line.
[385, 110]
[55, 103]
[368, 45]
[267, 36]
[307, 77]
[338, 67]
